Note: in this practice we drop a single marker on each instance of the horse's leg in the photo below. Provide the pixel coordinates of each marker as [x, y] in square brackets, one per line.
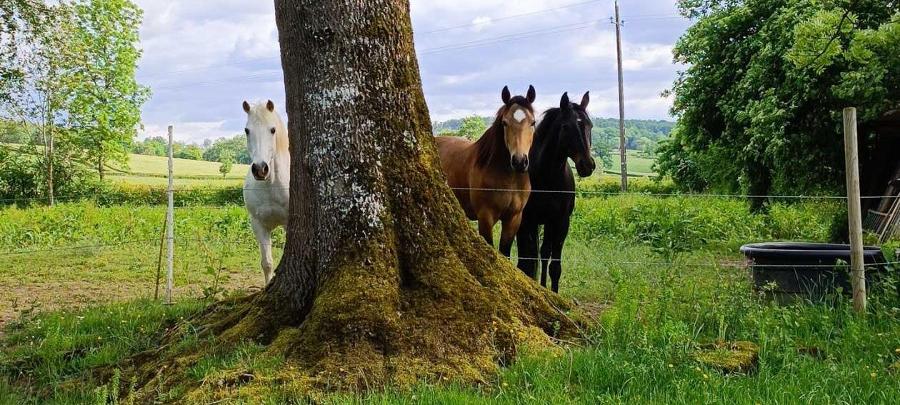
[527, 241]
[508, 233]
[486, 221]
[264, 238]
[546, 249]
[559, 239]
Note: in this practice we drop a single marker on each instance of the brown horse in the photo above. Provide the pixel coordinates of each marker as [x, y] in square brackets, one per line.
[479, 171]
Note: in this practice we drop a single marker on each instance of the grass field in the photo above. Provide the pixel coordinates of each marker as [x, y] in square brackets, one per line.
[656, 270]
[179, 181]
[153, 171]
[157, 166]
[637, 165]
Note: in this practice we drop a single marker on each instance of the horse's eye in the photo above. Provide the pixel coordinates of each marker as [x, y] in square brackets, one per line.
[272, 131]
[247, 131]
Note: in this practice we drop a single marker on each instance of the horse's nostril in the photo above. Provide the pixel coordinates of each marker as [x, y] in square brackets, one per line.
[260, 170]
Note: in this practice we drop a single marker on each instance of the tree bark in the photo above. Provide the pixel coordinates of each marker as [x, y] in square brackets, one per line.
[376, 243]
[383, 281]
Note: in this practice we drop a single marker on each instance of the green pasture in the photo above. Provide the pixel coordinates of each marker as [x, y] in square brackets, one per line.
[180, 182]
[663, 276]
[637, 165]
[158, 166]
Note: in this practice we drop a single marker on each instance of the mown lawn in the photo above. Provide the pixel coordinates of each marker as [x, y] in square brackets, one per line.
[660, 273]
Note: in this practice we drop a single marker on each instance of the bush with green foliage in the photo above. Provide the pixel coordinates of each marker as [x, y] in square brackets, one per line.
[227, 160]
[684, 223]
[759, 104]
[24, 179]
[236, 146]
[613, 185]
[472, 128]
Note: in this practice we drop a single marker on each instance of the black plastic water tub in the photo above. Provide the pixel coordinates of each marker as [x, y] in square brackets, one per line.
[808, 270]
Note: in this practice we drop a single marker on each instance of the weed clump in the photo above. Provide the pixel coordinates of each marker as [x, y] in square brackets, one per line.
[729, 357]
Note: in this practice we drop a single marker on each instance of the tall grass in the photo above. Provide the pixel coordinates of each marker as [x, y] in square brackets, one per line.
[681, 223]
[635, 257]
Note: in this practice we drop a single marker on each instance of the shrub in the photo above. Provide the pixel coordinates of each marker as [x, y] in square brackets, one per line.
[24, 177]
[637, 185]
[122, 194]
[681, 223]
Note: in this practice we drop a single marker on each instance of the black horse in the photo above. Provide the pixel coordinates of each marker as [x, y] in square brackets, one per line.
[563, 133]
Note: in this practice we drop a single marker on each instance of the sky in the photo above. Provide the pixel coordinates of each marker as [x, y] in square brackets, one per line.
[203, 58]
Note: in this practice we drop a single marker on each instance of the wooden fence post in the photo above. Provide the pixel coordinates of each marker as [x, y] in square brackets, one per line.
[854, 212]
[170, 225]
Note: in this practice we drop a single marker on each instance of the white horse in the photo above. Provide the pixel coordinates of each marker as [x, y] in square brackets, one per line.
[266, 185]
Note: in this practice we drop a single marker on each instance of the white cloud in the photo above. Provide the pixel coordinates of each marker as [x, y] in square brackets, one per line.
[646, 56]
[635, 56]
[459, 79]
[202, 58]
[601, 46]
[480, 23]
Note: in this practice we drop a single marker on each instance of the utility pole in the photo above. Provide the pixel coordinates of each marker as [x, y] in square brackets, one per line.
[622, 155]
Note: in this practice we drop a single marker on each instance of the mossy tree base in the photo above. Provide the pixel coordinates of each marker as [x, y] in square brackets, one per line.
[364, 333]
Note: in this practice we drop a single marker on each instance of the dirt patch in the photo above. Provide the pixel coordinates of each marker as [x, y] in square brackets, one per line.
[26, 298]
[591, 310]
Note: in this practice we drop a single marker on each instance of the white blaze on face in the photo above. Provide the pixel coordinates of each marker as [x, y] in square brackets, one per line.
[519, 115]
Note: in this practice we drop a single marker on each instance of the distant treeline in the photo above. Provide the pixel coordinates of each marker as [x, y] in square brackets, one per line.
[641, 135]
[236, 147]
[213, 151]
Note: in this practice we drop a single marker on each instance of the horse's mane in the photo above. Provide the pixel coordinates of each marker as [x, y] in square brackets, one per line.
[550, 119]
[492, 143]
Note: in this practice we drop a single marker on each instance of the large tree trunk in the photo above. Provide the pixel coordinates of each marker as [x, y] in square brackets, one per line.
[383, 280]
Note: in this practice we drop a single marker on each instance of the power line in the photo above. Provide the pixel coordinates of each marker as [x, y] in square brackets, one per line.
[638, 194]
[561, 192]
[735, 264]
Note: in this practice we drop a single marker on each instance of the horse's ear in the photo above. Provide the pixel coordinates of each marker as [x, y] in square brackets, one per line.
[564, 102]
[270, 106]
[505, 96]
[585, 100]
[531, 96]
[246, 107]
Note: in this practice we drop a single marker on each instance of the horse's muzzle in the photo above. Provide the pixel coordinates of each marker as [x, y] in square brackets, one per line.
[260, 171]
[585, 167]
[519, 163]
